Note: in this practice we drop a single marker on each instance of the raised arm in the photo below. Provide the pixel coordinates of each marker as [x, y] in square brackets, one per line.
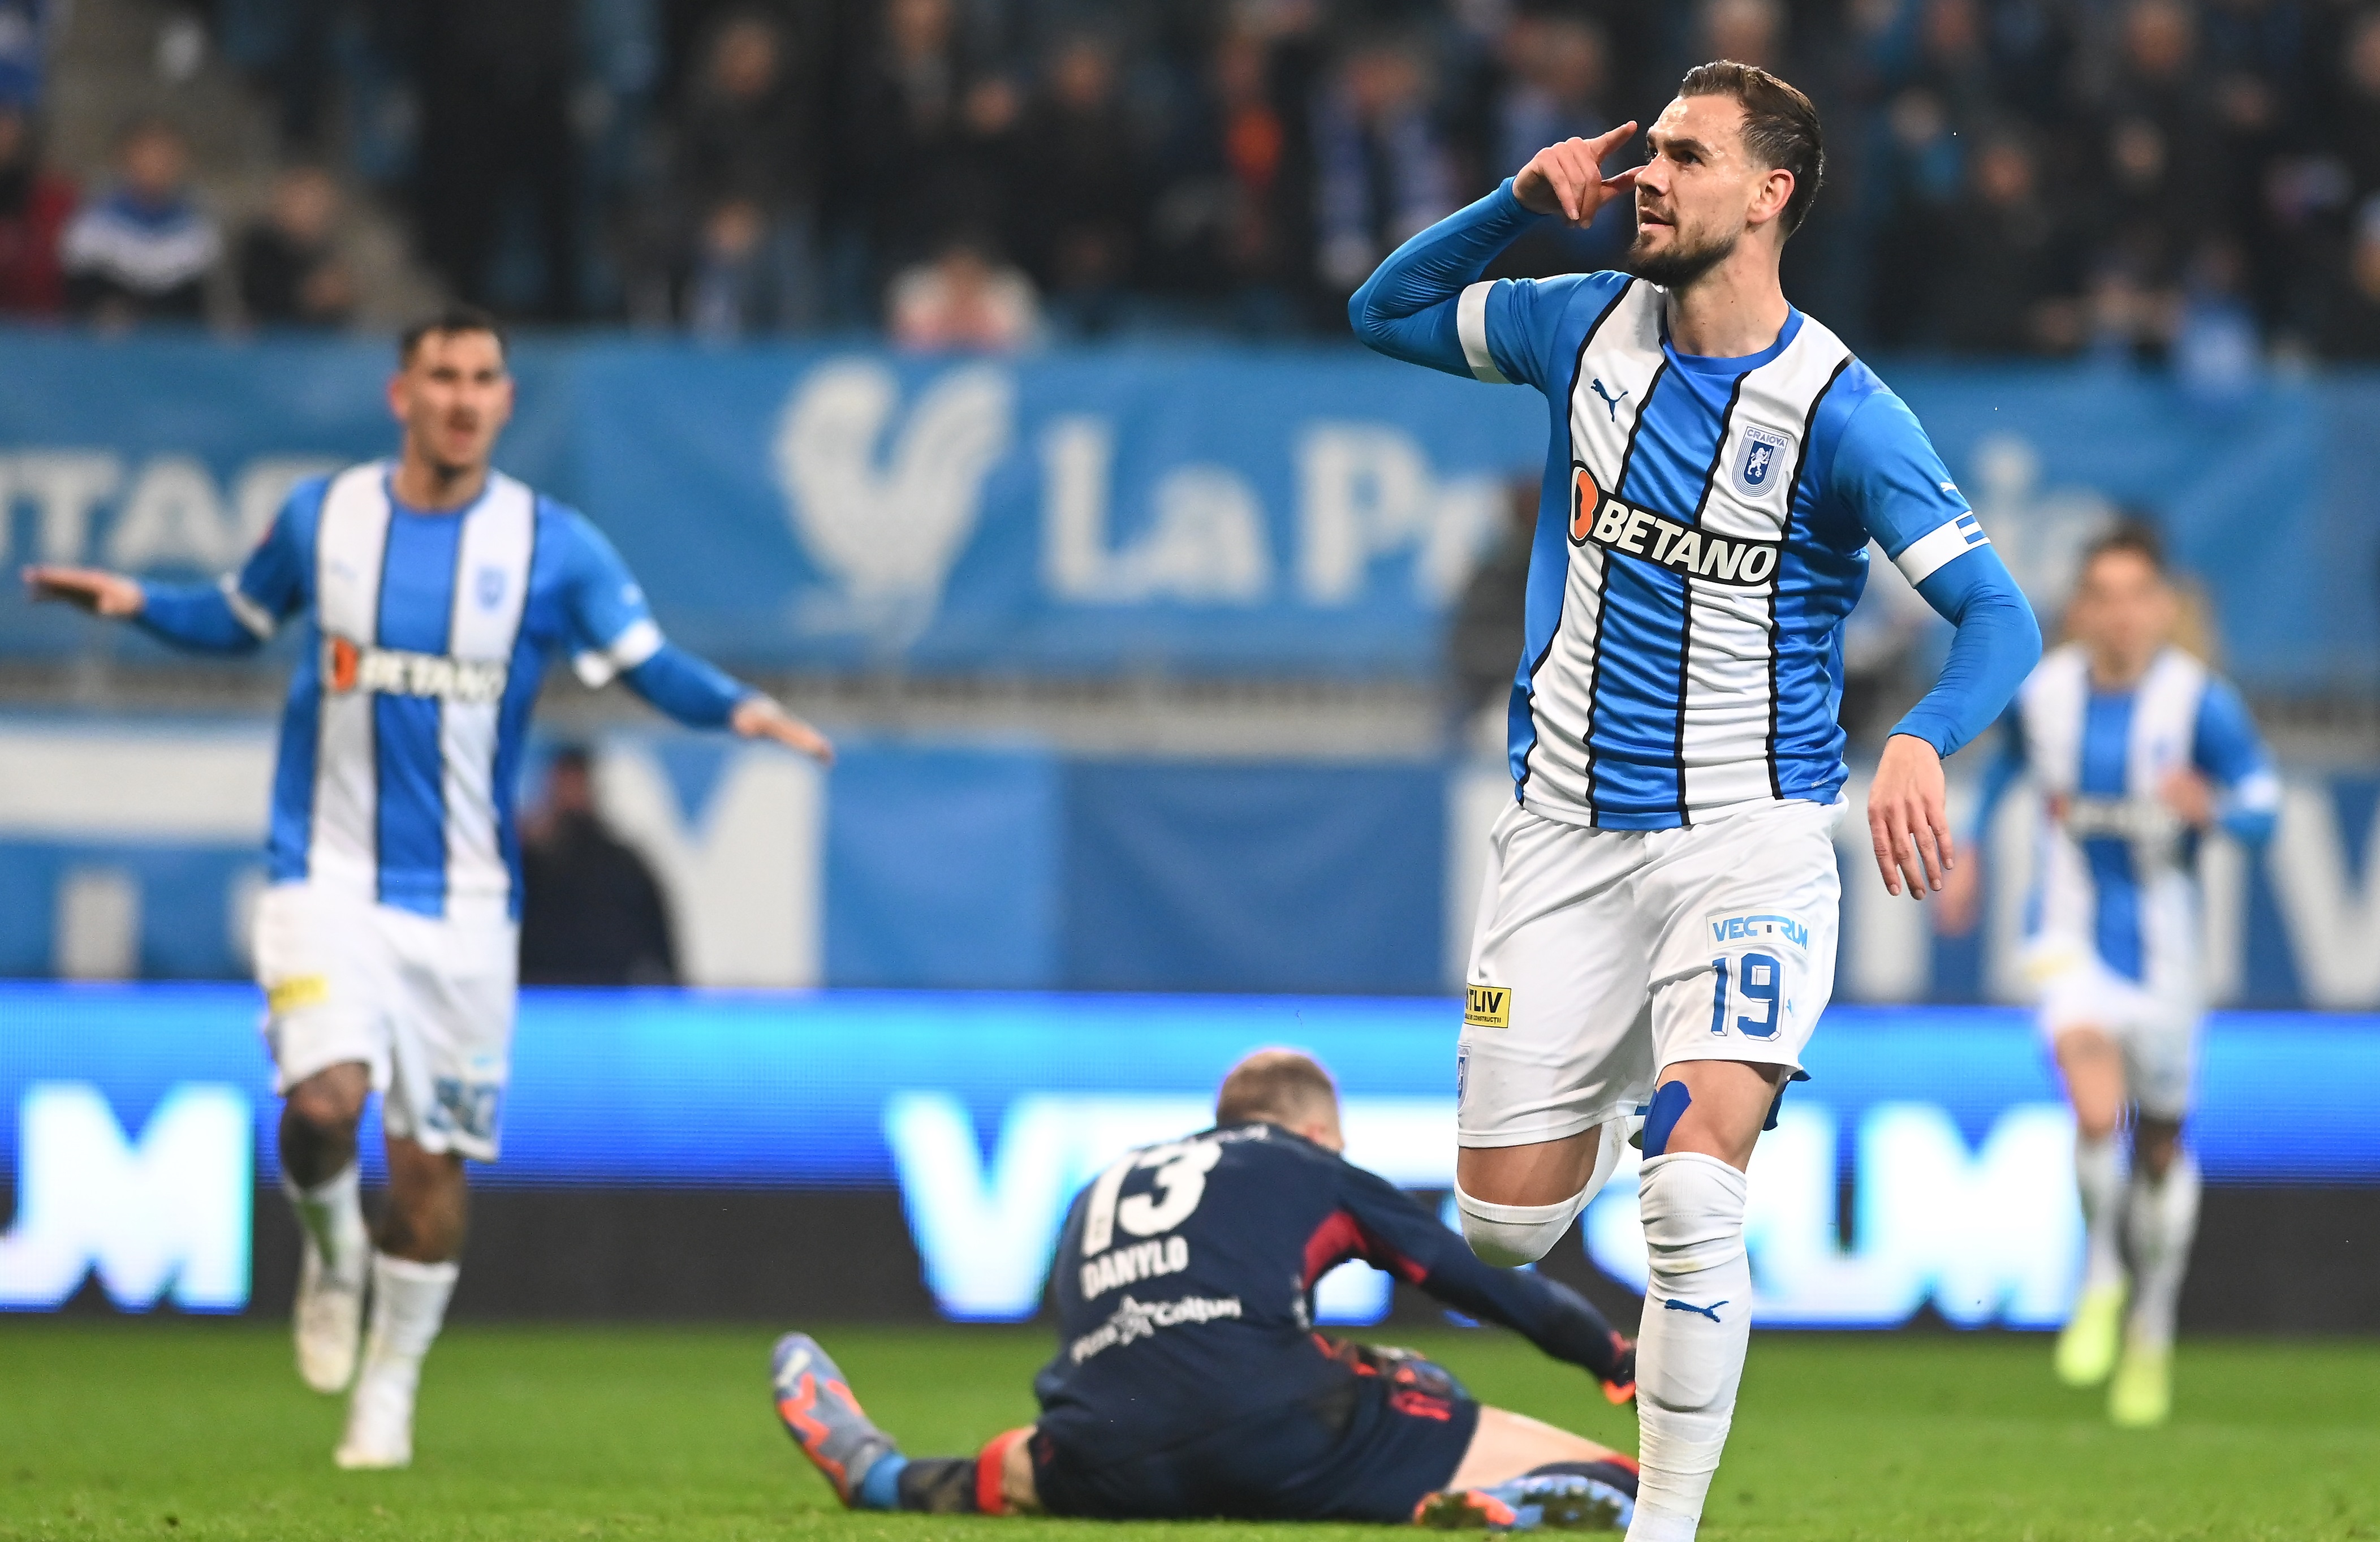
[1887, 470]
[237, 615]
[1421, 305]
[617, 639]
[1397, 1234]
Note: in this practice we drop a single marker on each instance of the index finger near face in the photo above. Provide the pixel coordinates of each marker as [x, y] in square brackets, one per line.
[1611, 139]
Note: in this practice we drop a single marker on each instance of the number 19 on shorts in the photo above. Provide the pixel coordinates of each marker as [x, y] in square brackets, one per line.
[1747, 993]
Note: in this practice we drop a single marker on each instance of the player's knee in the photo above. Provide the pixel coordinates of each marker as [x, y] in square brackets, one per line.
[329, 1103]
[2094, 1122]
[1693, 1209]
[1510, 1235]
[2154, 1146]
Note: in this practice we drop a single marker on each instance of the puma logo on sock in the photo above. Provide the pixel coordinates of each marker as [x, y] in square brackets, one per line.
[1711, 1311]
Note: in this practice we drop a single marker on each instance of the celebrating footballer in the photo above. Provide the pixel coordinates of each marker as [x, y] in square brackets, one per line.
[1655, 939]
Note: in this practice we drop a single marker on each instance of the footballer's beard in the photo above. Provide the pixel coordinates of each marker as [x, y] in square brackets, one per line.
[452, 451]
[1685, 259]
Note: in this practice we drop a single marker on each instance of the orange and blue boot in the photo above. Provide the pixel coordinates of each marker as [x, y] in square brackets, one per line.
[1566, 1496]
[815, 1406]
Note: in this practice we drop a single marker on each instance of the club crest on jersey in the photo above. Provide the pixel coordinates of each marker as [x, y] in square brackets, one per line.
[1683, 549]
[1761, 464]
[490, 588]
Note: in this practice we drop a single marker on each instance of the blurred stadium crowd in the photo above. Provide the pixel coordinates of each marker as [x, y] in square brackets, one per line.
[2009, 177]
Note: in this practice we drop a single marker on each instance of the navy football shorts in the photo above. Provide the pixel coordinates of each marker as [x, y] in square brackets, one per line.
[1393, 1429]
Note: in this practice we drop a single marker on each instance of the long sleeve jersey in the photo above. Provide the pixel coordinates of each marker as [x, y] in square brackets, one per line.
[1702, 532]
[1185, 1283]
[426, 636]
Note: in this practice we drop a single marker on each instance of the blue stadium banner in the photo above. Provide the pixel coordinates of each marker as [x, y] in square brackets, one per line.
[1118, 510]
[137, 1123]
[917, 866]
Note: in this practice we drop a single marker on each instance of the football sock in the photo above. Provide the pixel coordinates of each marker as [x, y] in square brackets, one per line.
[929, 1485]
[2098, 1176]
[991, 1470]
[408, 1303]
[333, 1214]
[1510, 1235]
[2163, 1219]
[882, 1486]
[1689, 1349]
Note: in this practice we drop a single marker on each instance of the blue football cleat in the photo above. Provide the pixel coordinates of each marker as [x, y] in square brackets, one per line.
[815, 1406]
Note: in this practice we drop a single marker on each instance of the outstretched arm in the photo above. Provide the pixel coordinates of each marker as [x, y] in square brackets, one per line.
[237, 615]
[620, 640]
[1396, 1233]
[1412, 306]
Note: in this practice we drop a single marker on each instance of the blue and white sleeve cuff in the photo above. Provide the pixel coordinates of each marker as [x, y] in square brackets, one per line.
[247, 612]
[1922, 558]
[1471, 326]
[600, 666]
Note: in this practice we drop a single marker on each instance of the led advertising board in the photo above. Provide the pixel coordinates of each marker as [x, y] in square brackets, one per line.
[137, 1127]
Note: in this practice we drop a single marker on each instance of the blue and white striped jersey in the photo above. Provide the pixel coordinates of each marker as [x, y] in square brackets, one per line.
[427, 635]
[2115, 873]
[1702, 535]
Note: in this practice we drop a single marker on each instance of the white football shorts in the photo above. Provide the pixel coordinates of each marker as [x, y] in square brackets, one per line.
[426, 1001]
[2157, 1031]
[1602, 955]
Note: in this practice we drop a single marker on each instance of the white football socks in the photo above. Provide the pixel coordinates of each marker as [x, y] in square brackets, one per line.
[1510, 1235]
[2162, 1220]
[408, 1306]
[2099, 1177]
[1690, 1348]
[333, 1214]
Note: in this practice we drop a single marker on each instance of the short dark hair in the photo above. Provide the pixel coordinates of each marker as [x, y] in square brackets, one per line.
[1781, 125]
[453, 318]
[2130, 536]
[1277, 1086]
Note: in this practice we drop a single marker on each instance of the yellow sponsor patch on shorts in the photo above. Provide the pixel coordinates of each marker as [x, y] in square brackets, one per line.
[297, 991]
[1487, 1006]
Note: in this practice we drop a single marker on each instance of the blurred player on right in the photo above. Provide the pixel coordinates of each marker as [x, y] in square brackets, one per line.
[2139, 751]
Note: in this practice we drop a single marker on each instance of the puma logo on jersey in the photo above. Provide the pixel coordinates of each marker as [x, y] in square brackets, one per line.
[351, 666]
[1598, 516]
[1609, 399]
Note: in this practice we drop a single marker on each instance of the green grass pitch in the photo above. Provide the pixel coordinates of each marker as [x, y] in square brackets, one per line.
[201, 1429]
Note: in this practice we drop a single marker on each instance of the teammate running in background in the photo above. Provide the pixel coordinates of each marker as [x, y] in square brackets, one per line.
[432, 591]
[1189, 1380]
[2139, 752]
[1659, 915]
